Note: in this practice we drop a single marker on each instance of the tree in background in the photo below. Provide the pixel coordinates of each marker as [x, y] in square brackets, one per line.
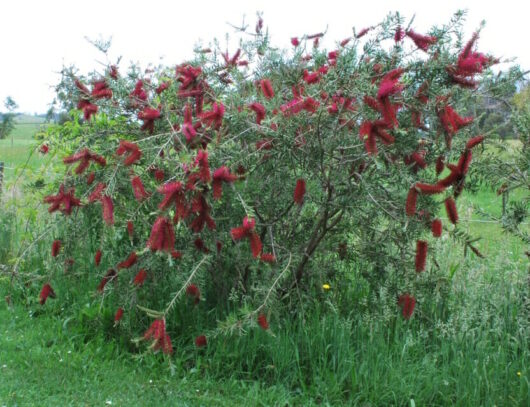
[8, 119]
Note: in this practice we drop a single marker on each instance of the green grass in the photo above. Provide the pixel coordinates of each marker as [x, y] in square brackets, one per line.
[17, 148]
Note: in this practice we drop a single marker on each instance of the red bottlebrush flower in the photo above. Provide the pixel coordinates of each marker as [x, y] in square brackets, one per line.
[464, 162]
[372, 103]
[220, 175]
[262, 322]
[101, 90]
[130, 229]
[63, 201]
[428, 189]
[113, 73]
[265, 144]
[473, 141]
[423, 42]
[233, 60]
[201, 207]
[89, 109]
[311, 78]
[129, 262]
[247, 231]
[111, 275]
[193, 291]
[440, 164]
[363, 32]
[410, 206]
[148, 116]
[450, 208]
[174, 192]
[299, 192]
[56, 247]
[268, 258]
[367, 135]
[436, 228]
[259, 109]
[452, 121]
[200, 246]
[95, 195]
[140, 278]
[266, 88]
[138, 189]
[157, 331]
[108, 209]
[421, 255]
[407, 304]
[90, 178]
[82, 88]
[214, 117]
[139, 92]
[162, 235]
[84, 157]
[44, 149]
[200, 341]
[389, 84]
[204, 169]
[118, 316]
[97, 257]
[132, 151]
[188, 128]
[295, 42]
[399, 35]
[218, 246]
[345, 42]
[159, 175]
[162, 87]
[47, 291]
[176, 254]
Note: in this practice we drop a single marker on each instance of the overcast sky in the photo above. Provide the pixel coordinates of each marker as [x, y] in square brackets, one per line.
[38, 37]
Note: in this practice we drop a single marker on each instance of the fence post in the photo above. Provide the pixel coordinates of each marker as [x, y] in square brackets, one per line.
[1, 177]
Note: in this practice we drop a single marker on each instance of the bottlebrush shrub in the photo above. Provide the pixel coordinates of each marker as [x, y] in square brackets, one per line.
[235, 175]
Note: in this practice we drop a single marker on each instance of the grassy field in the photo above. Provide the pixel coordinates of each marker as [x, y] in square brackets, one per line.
[478, 355]
[15, 149]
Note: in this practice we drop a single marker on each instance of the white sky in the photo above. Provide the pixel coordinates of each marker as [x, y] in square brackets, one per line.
[38, 37]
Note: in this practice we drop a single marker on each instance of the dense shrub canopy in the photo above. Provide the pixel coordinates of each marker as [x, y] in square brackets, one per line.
[229, 180]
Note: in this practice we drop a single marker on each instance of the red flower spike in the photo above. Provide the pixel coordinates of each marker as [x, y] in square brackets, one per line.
[200, 246]
[97, 258]
[450, 208]
[162, 235]
[295, 42]
[201, 207]
[266, 88]
[410, 206]
[473, 141]
[204, 169]
[159, 175]
[56, 247]
[108, 209]
[95, 195]
[148, 116]
[407, 304]
[47, 291]
[221, 175]
[130, 229]
[268, 258]
[129, 262]
[247, 231]
[63, 201]
[131, 150]
[138, 188]
[118, 316]
[259, 109]
[389, 84]
[140, 278]
[111, 275]
[44, 149]
[299, 192]
[345, 42]
[421, 255]
[162, 87]
[90, 178]
[214, 118]
[399, 35]
[440, 164]
[436, 228]
[428, 189]
[311, 78]
[363, 32]
[423, 42]
[200, 341]
[262, 322]
[84, 157]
